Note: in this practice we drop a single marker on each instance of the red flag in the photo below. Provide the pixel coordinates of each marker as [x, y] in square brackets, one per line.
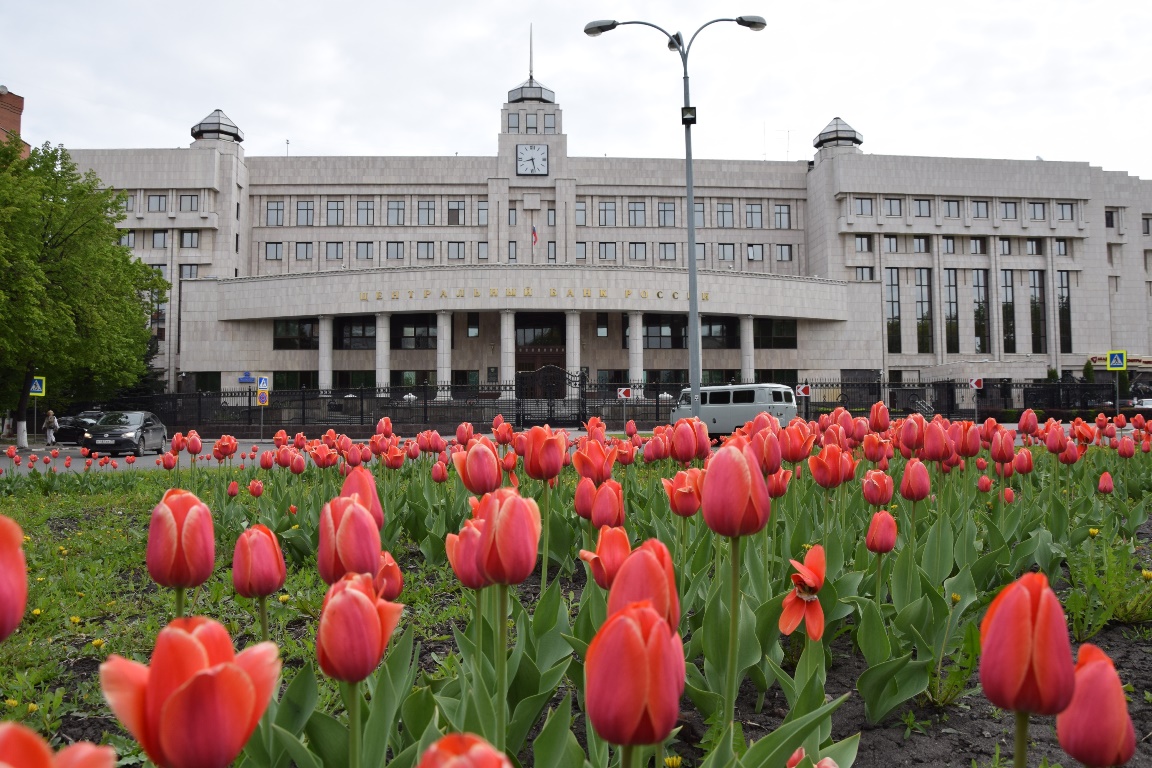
[534, 238]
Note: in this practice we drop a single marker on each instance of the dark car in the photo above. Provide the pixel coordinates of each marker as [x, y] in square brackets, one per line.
[72, 428]
[126, 432]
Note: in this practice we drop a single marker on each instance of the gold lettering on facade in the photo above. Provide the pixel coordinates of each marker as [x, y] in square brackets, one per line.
[363, 295]
[643, 294]
[427, 292]
[659, 294]
[603, 293]
[411, 294]
[509, 291]
[570, 294]
[552, 292]
[493, 292]
[459, 293]
[527, 293]
[476, 293]
[704, 296]
[379, 295]
[627, 292]
[395, 295]
[675, 294]
[587, 293]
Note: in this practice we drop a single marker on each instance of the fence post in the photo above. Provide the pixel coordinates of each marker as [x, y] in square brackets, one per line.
[424, 389]
[361, 404]
[249, 406]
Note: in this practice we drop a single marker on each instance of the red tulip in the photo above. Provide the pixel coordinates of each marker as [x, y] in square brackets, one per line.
[825, 466]
[384, 426]
[354, 630]
[478, 466]
[936, 445]
[181, 543]
[1071, 453]
[298, 464]
[594, 461]
[595, 429]
[878, 487]
[389, 580]
[1127, 447]
[22, 747]
[362, 483]
[802, 603]
[647, 574]
[1096, 728]
[878, 420]
[778, 483]
[227, 446]
[875, 448]
[630, 428]
[683, 447]
[915, 485]
[881, 537]
[1008, 495]
[1022, 462]
[612, 549]
[179, 442]
[1105, 484]
[349, 539]
[463, 750]
[439, 472]
[1026, 657]
[984, 484]
[256, 488]
[684, 491]
[968, 442]
[280, 439]
[625, 453]
[634, 677]
[267, 460]
[13, 576]
[198, 701]
[510, 536]
[734, 496]
[795, 442]
[1028, 423]
[463, 552]
[257, 563]
[1003, 448]
[233, 489]
[912, 432]
[464, 432]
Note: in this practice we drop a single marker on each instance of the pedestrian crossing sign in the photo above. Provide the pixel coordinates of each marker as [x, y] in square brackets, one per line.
[38, 386]
[1118, 360]
[263, 383]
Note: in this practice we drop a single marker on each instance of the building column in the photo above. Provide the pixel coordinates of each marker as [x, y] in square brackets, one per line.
[747, 349]
[1052, 307]
[443, 355]
[325, 361]
[635, 347]
[507, 351]
[996, 308]
[572, 347]
[383, 349]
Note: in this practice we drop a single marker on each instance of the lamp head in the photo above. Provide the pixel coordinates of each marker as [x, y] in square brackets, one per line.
[599, 27]
[676, 42]
[754, 23]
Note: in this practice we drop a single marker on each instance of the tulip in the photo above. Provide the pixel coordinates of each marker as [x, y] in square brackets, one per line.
[683, 441]
[734, 495]
[463, 552]
[463, 750]
[1105, 484]
[802, 603]
[800, 754]
[233, 489]
[362, 483]
[874, 448]
[684, 491]
[594, 461]
[354, 630]
[389, 580]
[349, 539]
[257, 563]
[595, 429]
[1127, 447]
[878, 419]
[1022, 463]
[625, 453]
[464, 432]
[968, 444]
[1096, 728]
[179, 443]
[1008, 495]
[647, 574]
[13, 576]
[912, 432]
[1003, 448]
[936, 446]
[630, 428]
[298, 464]
[795, 442]
[181, 544]
[22, 747]
[479, 467]
[612, 549]
[198, 702]
[881, 537]
[778, 483]
[511, 536]
[984, 484]
[878, 487]
[607, 505]
[915, 485]
[634, 677]
[1028, 422]
[267, 460]
[256, 488]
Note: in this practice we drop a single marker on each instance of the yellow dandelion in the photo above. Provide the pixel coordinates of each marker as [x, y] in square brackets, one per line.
[74, 619]
[1146, 574]
[39, 578]
[284, 598]
[33, 708]
[672, 761]
[955, 598]
[63, 551]
[97, 643]
[1093, 532]
[79, 594]
[27, 539]
[35, 611]
[11, 703]
[295, 527]
[110, 602]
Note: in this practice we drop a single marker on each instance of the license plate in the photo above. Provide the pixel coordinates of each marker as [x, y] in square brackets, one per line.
[105, 442]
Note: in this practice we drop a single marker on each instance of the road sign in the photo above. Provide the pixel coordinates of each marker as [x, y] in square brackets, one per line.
[1117, 360]
[263, 384]
[39, 386]
[976, 383]
[803, 390]
[262, 397]
[623, 393]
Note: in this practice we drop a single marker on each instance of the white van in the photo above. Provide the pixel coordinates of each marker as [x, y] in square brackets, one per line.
[724, 408]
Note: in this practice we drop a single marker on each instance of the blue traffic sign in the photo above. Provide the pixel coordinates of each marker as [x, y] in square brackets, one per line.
[1117, 360]
[263, 383]
[39, 385]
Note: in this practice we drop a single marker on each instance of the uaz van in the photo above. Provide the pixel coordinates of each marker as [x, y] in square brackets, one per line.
[724, 408]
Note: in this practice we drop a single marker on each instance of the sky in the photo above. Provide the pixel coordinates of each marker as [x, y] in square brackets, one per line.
[1013, 79]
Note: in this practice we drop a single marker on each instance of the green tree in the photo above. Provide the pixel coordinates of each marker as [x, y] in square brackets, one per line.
[74, 304]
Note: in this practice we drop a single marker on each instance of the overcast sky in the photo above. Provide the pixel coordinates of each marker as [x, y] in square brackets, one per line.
[980, 78]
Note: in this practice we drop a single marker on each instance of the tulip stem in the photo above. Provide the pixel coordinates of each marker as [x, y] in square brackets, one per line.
[879, 581]
[478, 620]
[1020, 756]
[351, 693]
[626, 756]
[501, 665]
[547, 519]
[733, 632]
[263, 601]
[179, 602]
[682, 571]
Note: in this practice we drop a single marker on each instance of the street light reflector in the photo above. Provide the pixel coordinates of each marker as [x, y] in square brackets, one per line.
[754, 23]
[676, 42]
[599, 27]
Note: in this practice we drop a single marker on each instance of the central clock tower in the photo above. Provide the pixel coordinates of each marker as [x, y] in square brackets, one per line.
[533, 148]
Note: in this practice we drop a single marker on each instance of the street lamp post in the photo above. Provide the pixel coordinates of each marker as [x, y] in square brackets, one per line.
[687, 118]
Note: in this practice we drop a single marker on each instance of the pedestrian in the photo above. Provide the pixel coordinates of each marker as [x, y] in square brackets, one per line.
[50, 427]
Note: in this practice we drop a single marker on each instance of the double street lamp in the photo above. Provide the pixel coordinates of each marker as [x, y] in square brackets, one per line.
[687, 118]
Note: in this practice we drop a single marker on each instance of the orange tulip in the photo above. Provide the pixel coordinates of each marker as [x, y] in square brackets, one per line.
[13, 576]
[734, 495]
[825, 466]
[778, 483]
[647, 574]
[510, 536]
[795, 442]
[478, 466]
[463, 750]
[1096, 728]
[915, 485]
[1026, 657]
[634, 677]
[802, 603]
[607, 505]
[463, 552]
[22, 747]
[198, 701]
[875, 448]
[767, 447]
[936, 445]
[1028, 422]
[258, 567]
[877, 487]
[684, 491]
[968, 443]
[389, 579]
[354, 630]
[596, 429]
[881, 537]
[612, 549]
[349, 539]
[181, 543]
[544, 453]
[361, 482]
[594, 461]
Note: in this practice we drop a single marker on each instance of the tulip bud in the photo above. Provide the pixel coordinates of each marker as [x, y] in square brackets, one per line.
[258, 568]
[389, 579]
[13, 576]
[181, 544]
[647, 574]
[439, 472]
[463, 750]
[1105, 484]
[881, 537]
[354, 629]
[478, 466]
[362, 483]
[877, 487]
[684, 491]
[349, 539]
[734, 496]
[1096, 728]
[463, 552]
[915, 484]
[510, 536]
[233, 489]
[984, 484]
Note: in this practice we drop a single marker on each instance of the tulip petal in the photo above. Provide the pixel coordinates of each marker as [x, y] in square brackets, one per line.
[198, 543]
[162, 534]
[814, 620]
[617, 680]
[348, 641]
[214, 639]
[22, 747]
[261, 662]
[205, 722]
[1005, 641]
[85, 755]
[792, 613]
[124, 682]
[1051, 656]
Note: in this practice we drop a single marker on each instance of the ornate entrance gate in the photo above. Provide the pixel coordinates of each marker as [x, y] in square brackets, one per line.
[550, 395]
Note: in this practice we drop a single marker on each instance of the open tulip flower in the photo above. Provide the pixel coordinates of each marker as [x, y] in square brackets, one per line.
[803, 602]
[22, 747]
[463, 552]
[594, 461]
[612, 549]
[1096, 728]
[198, 701]
[877, 487]
[544, 453]
[13, 576]
[463, 750]
[684, 491]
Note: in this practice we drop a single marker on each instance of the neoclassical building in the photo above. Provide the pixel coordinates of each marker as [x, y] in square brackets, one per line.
[323, 272]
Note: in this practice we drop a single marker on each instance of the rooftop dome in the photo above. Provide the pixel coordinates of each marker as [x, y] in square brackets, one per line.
[217, 126]
[531, 90]
[838, 134]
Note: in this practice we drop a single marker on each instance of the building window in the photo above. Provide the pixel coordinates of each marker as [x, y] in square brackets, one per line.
[662, 331]
[890, 243]
[607, 213]
[426, 213]
[157, 203]
[863, 243]
[273, 251]
[636, 214]
[1109, 216]
[581, 251]
[773, 333]
[455, 213]
[951, 313]
[482, 250]
[863, 206]
[530, 123]
[783, 216]
[923, 208]
[275, 214]
[513, 122]
[305, 210]
[608, 251]
[189, 271]
[865, 274]
[979, 209]
[724, 215]
[951, 209]
[551, 217]
[355, 332]
[334, 251]
[189, 202]
[1007, 210]
[636, 252]
[1034, 246]
[1036, 211]
[893, 206]
[550, 122]
[425, 250]
[1039, 308]
[303, 251]
[1008, 311]
[602, 325]
[237, 211]
[303, 333]
[719, 332]
[699, 251]
[364, 251]
[1005, 246]
[666, 214]
[511, 217]
[1145, 222]
[237, 246]
[754, 216]
[130, 204]
[980, 311]
[920, 244]
[697, 214]
[755, 252]
[511, 250]
[581, 214]
[455, 251]
[395, 251]
[365, 213]
[190, 238]
[160, 238]
[725, 252]
[472, 319]
[1061, 247]
[335, 216]
[128, 238]
[482, 213]
[1065, 211]
[978, 245]
[892, 308]
[417, 331]
[552, 250]
[396, 213]
[923, 310]
[784, 252]
[1064, 310]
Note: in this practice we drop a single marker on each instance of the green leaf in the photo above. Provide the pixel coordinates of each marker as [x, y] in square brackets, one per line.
[937, 557]
[775, 748]
[887, 685]
[329, 738]
[526, 714]
[872, 636]
[556, 745]
[843, 753]
[294, 747]
[393, 682]
[905, 579]
[419, 711]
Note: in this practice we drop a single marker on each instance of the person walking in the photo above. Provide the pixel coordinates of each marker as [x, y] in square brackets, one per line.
[50, 427]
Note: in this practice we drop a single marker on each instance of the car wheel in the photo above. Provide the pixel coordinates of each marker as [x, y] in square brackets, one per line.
[139, 449]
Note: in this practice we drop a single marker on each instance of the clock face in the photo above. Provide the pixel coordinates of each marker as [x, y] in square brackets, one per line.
[532, 159]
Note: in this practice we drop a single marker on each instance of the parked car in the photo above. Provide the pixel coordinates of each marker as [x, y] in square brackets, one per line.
[72, 428]
[126, 432]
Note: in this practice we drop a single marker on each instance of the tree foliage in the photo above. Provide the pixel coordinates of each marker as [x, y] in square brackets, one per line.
[74, 303]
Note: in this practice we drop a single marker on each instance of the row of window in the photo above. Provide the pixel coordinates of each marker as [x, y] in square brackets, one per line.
[159, 203]
[531, 122]
[950, 209]
[666, 215]
[1032, 246]
[189, 238]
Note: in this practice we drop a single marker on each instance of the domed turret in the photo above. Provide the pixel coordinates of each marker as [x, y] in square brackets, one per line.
[838, 134]
[217, 126]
